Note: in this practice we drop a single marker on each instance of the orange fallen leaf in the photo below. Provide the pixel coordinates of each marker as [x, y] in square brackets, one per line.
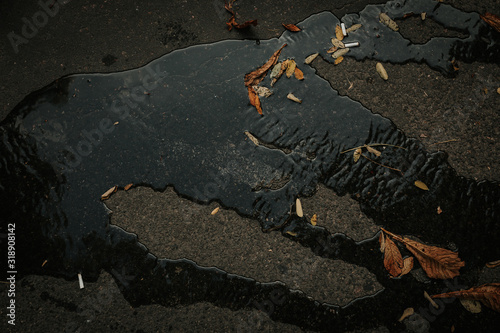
[407, 265]
[438, 263]
[492, 20]
[298, 74]
[493, 264]
[254, 100]
[127, 187]
[291, 27]
[338, 60]
[231, 23]
[107, 194]
[338, 32]
[393, 261]
[488, 294]
[421, 185]
[291, 68]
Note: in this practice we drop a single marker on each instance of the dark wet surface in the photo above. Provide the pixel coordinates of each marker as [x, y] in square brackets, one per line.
[180, 121]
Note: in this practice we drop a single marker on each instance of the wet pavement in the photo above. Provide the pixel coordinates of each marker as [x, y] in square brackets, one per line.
[420, 101]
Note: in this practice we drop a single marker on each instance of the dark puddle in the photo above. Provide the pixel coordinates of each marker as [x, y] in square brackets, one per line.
[180, 121]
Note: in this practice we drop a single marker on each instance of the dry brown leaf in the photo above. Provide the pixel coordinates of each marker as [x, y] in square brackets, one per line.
[298, 74]
[488, 294]
[332, 49]
[492, 20]
[290, 68]
[310, 58]
[373, 151]
[284, 66]
[291, 233]
[407, 265]
[439, 210]
[393, 261]
[291, 27]
[252, 138]
[338, 32]
[408, 312]
[262, 91]
[353, 27]
[254, 78]
[314, 219]
[385, 19]
[338, 60]
[357, 154]
[127, 187]
[493, 264]
[438, 263]
[254, 99]
[421, 185]
[381, 240]
[215, 211]
[338, 43]
[231, 23]
[340, 53]
[381, 71]
[292, 97]
[108, 193]
[298, 208]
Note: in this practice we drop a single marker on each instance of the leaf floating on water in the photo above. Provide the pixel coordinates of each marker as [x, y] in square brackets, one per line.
[492, 19]
[493, 264]
[284, 66]
[408, 312]
[127, 187]
[298, 208]
[438, 263]
[338, 60]
[314, 219]
[340, 53]
[357, 154]
[252, 138]
[262, 91]
[292, 97]
[107, 194]
[231, 23]
[373, 151]
[338, 32]
[385, 19]
[310, 58]
[471, 305]
[298, 74]
[276, 70]
[254, 99]
[254, 78]
[407, 265]
[393, 261]
[488, 294]
[215, 211]
[421, 185]
[291, 68]
[354, 27]
[381, 71]
[338, 43]
[291, 27]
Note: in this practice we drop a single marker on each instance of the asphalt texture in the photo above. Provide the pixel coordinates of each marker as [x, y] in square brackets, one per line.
[457, 115]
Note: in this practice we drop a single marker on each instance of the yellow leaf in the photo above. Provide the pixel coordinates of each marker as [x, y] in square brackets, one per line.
[314, 219]
[357, 154]
[381, 71]
[385, 19]
[338, 60]
[310, 58]
[421, 185]
[373, 151]
[215, 211]
[291, 68]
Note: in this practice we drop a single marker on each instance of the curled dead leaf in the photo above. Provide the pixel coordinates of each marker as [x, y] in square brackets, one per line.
[310, 58]
[254, 78]
[488, 294]
[231, 23]
[282, 69]
[393, 261]
[381, 240]
[338, 32]
[291, 27]
[254, 99]
[493, 264]
[407, 265]
[292, 97]
[107, 194]
[373, 150]
[262, 91]
[438, 263]
[314, 219]
[421, 185]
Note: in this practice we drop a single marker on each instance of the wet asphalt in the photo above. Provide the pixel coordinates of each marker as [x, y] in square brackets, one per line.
[110, 36]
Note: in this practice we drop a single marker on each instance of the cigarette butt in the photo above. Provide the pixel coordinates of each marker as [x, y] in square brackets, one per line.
[344, 31]
[80, 281]
[353, 44]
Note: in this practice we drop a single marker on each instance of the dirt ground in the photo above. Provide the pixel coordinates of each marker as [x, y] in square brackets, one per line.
[457, 115]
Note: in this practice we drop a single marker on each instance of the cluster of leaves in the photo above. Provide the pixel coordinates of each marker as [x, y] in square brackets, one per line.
[231, 23]
[492, 19]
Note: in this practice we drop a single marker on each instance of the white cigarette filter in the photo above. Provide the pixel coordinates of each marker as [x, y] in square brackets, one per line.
[353, 44]
[80, 281]
[344, 31]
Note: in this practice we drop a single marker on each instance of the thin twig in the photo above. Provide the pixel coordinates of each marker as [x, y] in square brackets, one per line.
[385, 166]
[371, 145]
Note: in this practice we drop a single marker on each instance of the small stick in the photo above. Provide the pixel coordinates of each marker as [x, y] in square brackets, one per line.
[371, 145]
[385, 166]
